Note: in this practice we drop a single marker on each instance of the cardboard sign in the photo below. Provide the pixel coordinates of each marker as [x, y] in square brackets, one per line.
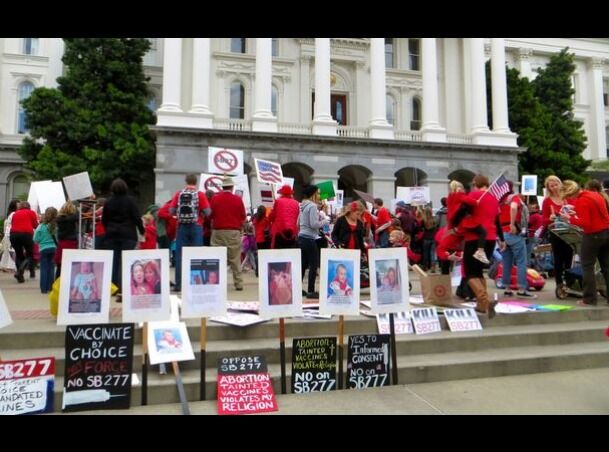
[32, 197]
[462, 319]
[244, 386]
[269, 172]
[368, 362]
[211, 182]
[326, 190]
[5, 315]
[99, 363]
[313, 364]
[50, 195]
[402, 323]
[26, 386]
[426, 320]
[528, 185]
[78, 186]
[436, 288]
[169, 342]
[224, 161]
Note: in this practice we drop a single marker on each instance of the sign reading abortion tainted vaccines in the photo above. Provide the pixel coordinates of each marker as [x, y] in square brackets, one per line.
[99, 362]
[313, 364]
[26, 386]
[368, 362]
[244, 386]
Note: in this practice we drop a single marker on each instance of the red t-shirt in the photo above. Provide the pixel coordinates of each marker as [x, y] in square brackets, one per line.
[590, 212]
[484, 214]
[24, 221]
[505, 215]
[227, 211]
[351, 243]
[203, 203]
[548, 208]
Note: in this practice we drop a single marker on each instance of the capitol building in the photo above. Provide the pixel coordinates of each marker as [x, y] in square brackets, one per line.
[367, 113]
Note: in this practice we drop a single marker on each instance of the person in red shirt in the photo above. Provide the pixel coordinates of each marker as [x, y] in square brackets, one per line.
[589, 211]
[149, 242]
[190, 231]
[382, 224]
[284, 220]
[24, 222]
[534, 229]
[227, 218]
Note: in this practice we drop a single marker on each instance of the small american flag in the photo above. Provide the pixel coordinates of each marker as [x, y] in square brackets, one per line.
[499, 188]
[269, 172]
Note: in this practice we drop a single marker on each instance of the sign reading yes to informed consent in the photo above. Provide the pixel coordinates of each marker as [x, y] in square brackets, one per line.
[368, 361]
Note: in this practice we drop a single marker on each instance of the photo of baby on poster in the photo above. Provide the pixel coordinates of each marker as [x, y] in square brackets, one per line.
[169, 342]
[339, 282]
[388, 280]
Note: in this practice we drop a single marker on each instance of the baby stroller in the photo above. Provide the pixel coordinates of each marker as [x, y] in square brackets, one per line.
[572, 236]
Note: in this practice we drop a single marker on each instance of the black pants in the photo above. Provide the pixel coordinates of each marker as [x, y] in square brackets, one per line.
[283, 244]
[563, 257]
[23, 244]
[309, 259]
[473, 267]
[594, 246]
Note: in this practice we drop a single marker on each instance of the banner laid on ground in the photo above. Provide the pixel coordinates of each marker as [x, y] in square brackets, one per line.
[244, 386]
[313, 364]
[5, 315]
[78, 186]
[26, 386]
[169, 342]
[339, 282]
[84, 296]
[204, 283]
[368, 362]
[98, 367]
[269, 172]
[280, 283]
[224, 161]
[146, 285]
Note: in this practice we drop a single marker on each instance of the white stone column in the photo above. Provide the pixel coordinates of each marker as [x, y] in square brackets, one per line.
[56, 49]
[379, 127]
[201, 55]
[524, 62]
[323, 124]
[263, 119]
[597, 138]
[431, 125]
[479, 126]
[171, 108]
[501, 127]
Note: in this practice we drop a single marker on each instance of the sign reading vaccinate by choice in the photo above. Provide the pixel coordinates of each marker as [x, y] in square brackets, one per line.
[244, 386]
[98, 368]
[313, 364]
[26, 386]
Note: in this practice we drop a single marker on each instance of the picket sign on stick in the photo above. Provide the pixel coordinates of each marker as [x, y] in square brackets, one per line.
[145, 364]
[394, 355]
[203, 341]
[341, 346]
[180, 385]
[282, 354]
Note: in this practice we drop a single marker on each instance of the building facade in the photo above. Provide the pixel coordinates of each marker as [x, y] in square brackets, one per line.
[370, 114]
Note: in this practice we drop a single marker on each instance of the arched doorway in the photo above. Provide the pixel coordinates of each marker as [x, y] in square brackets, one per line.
[353, 177]
[301, 173]
[464, 176]
[410, 177]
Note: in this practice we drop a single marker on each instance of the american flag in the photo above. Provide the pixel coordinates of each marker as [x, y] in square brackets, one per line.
[499, 188]
[269, 172]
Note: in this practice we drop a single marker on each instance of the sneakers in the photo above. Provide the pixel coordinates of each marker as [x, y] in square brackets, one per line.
[481, 256]
[526, 294]
[508, 293]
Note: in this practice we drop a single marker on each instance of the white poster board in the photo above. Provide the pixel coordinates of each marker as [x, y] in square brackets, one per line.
[35, 188]
[269, 172]
[145, 285]
[242, 189]
[78, 186]
[416, 196]
[84, 294]
[462, 319]
[168, 342]
[388, 280]
[267, 198]
[402, 324]
[339, 282]
[289, 181]
[211, 182]
[204, 283]
[280, 283]
[426, 320]
[5, 315]
[224, 161]
[528, 185]
[50, 195]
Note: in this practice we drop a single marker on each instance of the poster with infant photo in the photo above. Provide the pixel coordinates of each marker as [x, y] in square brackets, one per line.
[280, 284]
[339, 282]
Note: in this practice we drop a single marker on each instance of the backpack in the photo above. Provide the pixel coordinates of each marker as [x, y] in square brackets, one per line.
[523, 225]
[188, 206]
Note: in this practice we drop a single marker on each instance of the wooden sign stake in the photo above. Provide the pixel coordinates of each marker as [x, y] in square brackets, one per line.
[203, 341]
[394, 357]
[282, 354]
[341, 346]
[145, 364]
[181, 392]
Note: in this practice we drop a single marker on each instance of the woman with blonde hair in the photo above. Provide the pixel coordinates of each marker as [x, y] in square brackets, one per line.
[550, 211]
[589, 212]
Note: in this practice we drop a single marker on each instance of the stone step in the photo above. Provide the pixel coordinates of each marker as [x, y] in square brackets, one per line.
[418, 368]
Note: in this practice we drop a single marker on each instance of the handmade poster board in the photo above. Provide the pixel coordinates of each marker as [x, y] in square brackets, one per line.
[402, 323]
[462, 319]
[388, 280]
[280, 284]
[169, 342]
[204, 285]
[78, 186]
[529, 185]
[98, 367]
[313, 364]
[5, 315]
[26, 386]
[339, 283]
[368, 361]
[224, 161]
[269, 172]
[425, 320]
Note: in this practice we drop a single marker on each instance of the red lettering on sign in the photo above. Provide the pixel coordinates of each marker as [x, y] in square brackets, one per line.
[226, 161]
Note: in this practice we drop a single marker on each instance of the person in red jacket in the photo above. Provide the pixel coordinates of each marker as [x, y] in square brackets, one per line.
[149, 242]
[24, 222]
[589, 211]
[284, 220]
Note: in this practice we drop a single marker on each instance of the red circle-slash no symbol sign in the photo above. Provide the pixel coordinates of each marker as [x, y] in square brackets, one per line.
[439, 291]
[225, 161]
[213, 183]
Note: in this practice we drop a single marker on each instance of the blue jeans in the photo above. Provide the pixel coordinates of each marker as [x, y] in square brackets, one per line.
[187, 235]
[47, 269]
[515, 254]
